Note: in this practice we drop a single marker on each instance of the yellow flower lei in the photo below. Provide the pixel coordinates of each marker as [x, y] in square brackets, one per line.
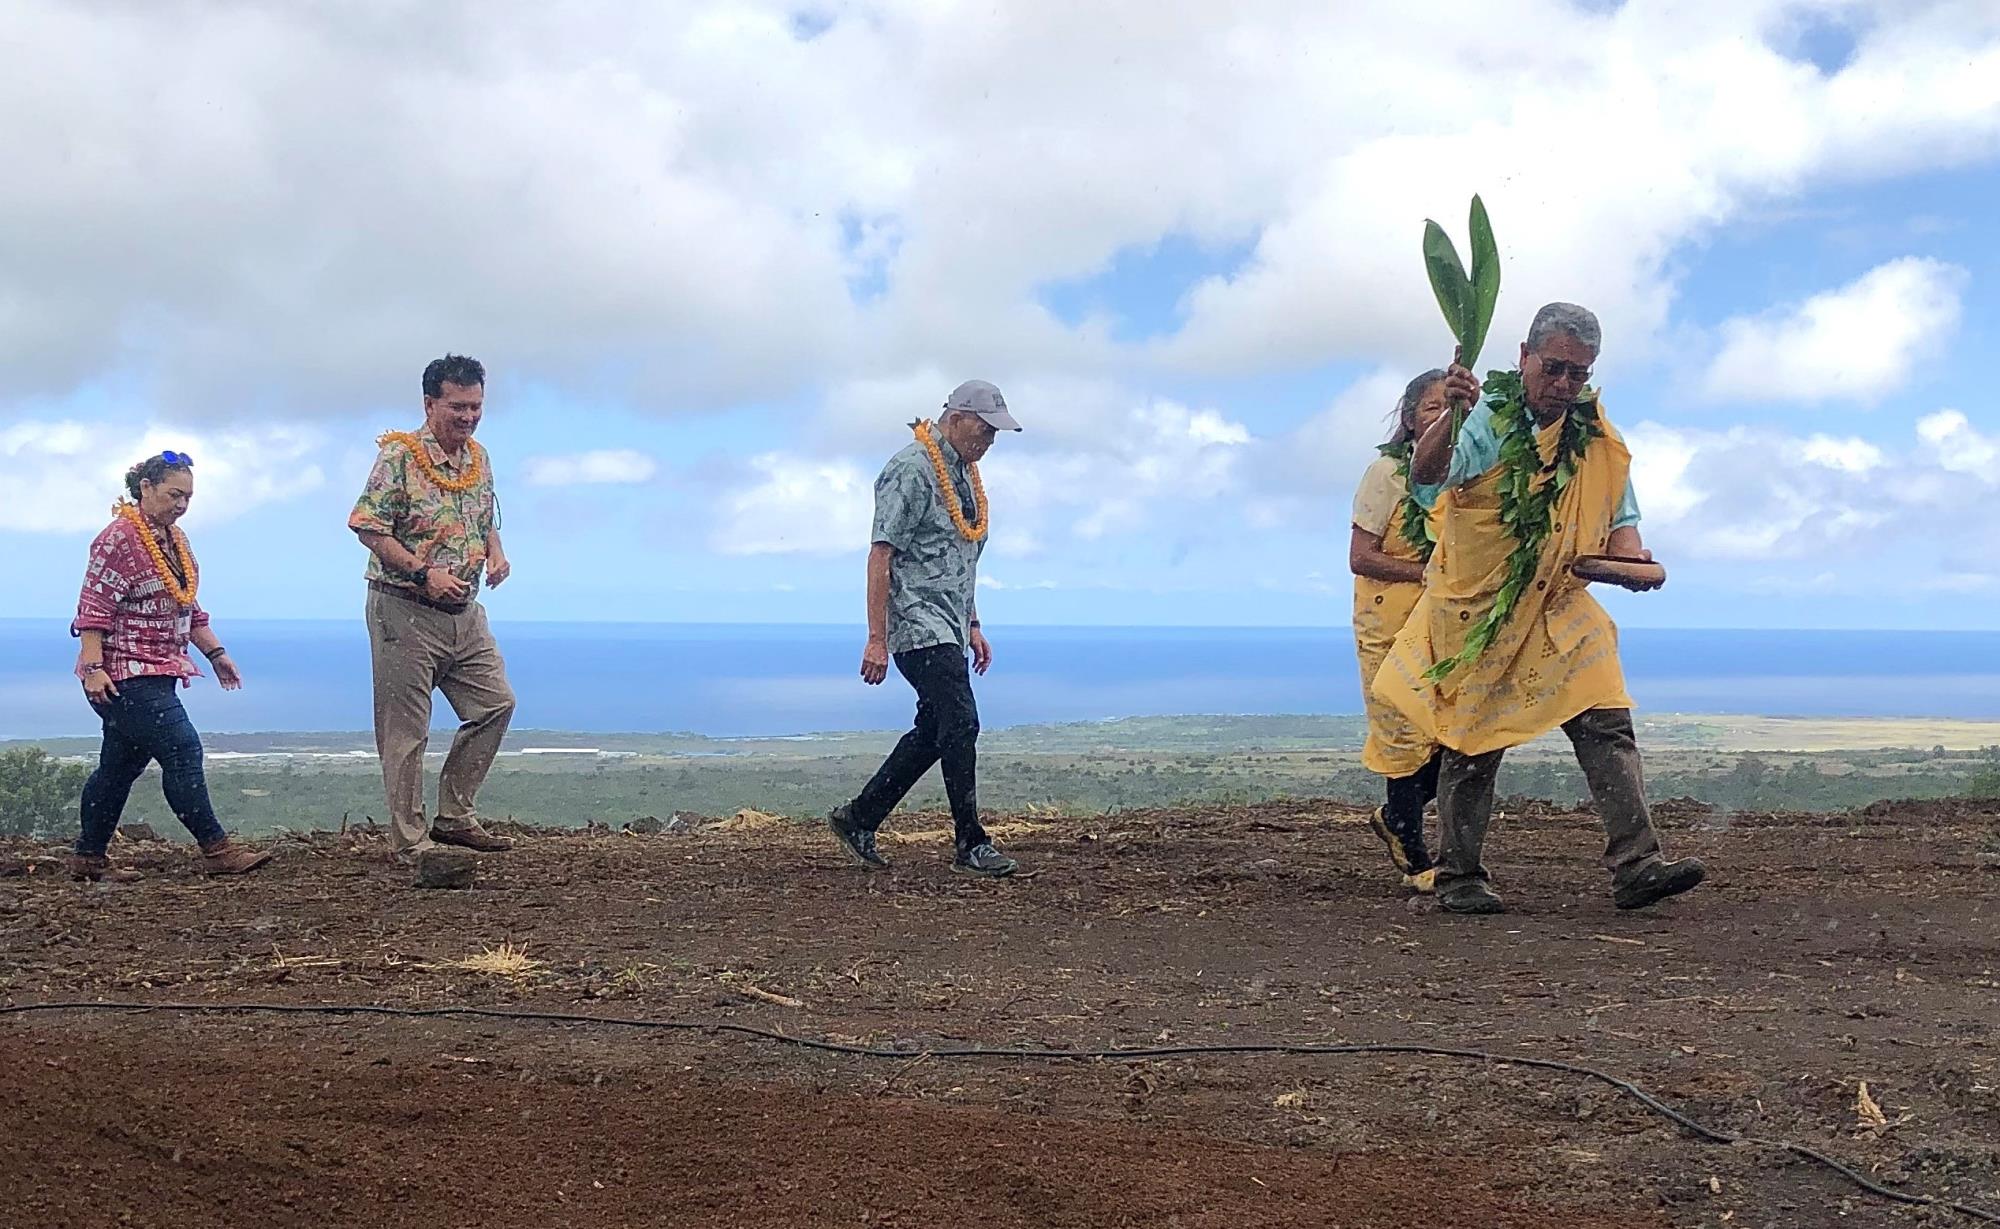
[970, 531]
[422, 456]
[184, 594]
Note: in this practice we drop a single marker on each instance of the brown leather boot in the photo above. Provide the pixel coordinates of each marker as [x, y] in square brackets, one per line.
[89, 868]
[226, 857]
[472, 837]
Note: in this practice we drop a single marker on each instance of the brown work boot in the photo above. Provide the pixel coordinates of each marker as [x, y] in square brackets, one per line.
[226, 857]
[89, 868]
[472, 837]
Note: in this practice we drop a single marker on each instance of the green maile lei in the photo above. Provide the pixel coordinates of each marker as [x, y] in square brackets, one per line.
[1416, 518]
[1526, 507]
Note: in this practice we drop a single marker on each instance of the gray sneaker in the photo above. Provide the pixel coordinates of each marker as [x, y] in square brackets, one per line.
[984, 861]
[859, 842]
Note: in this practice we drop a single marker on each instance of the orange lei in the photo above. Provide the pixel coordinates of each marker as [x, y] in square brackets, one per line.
[970, 531]
[422, 456]
[184, 594]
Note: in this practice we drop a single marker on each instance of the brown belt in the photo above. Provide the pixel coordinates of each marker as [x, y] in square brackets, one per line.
[411, 595]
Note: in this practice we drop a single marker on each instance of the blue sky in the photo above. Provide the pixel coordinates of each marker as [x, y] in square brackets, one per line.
[714, 262]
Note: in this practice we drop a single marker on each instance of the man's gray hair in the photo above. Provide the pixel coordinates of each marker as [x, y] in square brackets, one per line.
[1578, 322]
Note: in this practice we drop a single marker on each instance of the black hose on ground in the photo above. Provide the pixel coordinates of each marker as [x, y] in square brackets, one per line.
[1113, 1054]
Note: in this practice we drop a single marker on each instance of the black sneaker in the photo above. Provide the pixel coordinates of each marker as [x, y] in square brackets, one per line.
[985, 861]
[1657, 882]
[1406, 849]
[1473, 897]
[1378, 820]
[858, 842]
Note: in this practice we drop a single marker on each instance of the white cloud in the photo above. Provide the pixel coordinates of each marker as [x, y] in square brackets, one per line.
[1661, 459]
[621, 466]
[64, 475]
[1304, 478]
[1660, 99]
[699, 207]
[1334, 445]
[1852, 456]
[1157, 462]
[1859, 341]
[1765, 496]
[1158, 459]
[1960, 447]
[796, 505]
[704, 205]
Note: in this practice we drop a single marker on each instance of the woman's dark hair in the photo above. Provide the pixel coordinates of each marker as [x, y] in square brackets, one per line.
[1406, 406]
[156, 467]
[453, 369]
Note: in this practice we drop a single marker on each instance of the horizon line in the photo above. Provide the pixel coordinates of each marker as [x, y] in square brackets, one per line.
[42, 620]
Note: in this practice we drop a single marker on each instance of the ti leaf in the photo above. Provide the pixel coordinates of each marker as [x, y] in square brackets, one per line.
[1485, 283]
[1448, 280]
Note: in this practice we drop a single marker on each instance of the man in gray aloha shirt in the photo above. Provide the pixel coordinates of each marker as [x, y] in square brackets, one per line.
[922, 570]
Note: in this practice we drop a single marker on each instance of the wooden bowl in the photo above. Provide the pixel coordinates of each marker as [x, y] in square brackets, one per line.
[1639, 574]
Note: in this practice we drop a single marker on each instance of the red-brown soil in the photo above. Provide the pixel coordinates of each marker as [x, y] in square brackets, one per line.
[1824, 952]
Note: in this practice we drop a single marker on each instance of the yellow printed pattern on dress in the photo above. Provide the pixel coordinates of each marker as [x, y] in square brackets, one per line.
[1555, 657]
[1395, 746]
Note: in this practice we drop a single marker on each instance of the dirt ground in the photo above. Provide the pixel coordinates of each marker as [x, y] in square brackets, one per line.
[1826, 951]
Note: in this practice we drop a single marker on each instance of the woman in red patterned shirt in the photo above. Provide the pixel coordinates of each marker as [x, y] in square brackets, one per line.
[135, 617]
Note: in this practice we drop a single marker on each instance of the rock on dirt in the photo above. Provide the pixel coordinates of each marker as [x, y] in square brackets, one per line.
[445, 868]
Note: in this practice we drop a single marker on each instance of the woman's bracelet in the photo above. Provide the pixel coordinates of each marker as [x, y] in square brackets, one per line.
[214, 653]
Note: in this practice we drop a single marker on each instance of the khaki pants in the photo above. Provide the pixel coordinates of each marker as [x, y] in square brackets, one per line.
[1609, 756]
[417, 650]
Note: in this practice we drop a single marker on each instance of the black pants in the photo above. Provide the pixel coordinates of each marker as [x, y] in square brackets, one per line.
[1408, 796]
[946, 733]
[142, 723]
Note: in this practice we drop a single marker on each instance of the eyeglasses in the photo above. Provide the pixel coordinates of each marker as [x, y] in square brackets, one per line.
[1556, 369]
[179, 460]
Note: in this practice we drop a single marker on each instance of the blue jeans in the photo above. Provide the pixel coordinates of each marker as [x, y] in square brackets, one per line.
[142, 723]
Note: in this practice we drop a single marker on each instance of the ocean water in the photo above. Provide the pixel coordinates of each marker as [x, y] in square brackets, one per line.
[789, 679]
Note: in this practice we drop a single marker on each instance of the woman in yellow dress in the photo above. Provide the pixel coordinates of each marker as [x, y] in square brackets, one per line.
[1388, 551]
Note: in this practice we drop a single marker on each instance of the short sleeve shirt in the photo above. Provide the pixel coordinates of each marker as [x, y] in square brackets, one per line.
[400, 500]
[1376, 499]
[1478, 450]
[145, 629]
[934, 569]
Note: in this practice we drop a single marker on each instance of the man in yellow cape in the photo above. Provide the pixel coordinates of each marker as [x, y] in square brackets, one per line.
[1543, 653]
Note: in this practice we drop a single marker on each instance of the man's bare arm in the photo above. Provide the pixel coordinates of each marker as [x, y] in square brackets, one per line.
[393, 554]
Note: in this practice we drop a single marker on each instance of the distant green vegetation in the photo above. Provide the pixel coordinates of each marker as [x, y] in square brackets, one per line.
[38, 795]
[1985, 783]
[304, 781]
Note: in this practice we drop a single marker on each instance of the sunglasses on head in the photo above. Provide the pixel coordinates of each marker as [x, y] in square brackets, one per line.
[1556, 369]
[179, 460]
